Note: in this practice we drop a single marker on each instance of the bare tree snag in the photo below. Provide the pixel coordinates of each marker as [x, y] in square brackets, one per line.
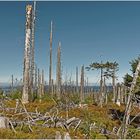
[52, 90]
[42, 83]
[32, 53]
[82, 85]
[101, 87]
[105, 91]
[58, 72]
[12, 84]
[39, 85]
[25, 94]
[125, 94]
[122, 93]
[118, 94]
[77, 90]
[36, 81]
[87, 86]
[50, 67]
[113, 84]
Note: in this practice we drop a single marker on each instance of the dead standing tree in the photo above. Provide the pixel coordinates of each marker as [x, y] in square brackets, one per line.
[100, 66]
[114, 67]
[128, 108]
[26, 72]
[12, 84]
[82, 85]
[39, 85]
[32, 68]
[36, 82]
[77, 89]
[42, 83]
[58, 72]
[50, 67]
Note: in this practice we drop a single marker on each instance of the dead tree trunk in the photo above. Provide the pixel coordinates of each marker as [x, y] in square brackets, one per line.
[122, 93]
[25, 94]
[58, 72]
[113, 84]
[12, 84]
[50, 67]
[77, 90]
[118, 94]
[39, 85]
[82, 85]
[36, 82]
[52, 90]
[125, 94]
[101, 88]
[129, 103]
[105, 91]
[87, 86]
[31, 90]
[42, 83]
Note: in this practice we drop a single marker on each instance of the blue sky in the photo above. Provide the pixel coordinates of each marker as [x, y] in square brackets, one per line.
[88, 31]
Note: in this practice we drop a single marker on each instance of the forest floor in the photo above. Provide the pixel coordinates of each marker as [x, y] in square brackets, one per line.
[43, 120]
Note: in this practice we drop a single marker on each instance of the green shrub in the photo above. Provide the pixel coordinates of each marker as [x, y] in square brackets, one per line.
[15, 95]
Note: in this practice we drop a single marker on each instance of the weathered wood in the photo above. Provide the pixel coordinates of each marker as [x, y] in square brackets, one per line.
[39, 86]
[113, 84]
[82, 85]
[50, 66]
[101, 88]
[77, 89]
[58, 72]
[42, 83]
[31, 84]
[36, 82]
[118, 94]
[12, 84]
[26, 72]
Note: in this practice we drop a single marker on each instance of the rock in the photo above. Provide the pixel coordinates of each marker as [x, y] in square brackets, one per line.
[58, 136]
[4, 122]
[67, 136]
[118, 103]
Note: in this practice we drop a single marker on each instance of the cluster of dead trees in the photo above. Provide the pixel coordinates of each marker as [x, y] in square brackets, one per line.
[34, 84]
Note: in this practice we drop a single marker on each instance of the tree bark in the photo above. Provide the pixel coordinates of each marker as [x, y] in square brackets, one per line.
[50, 67]
[82, 85]
[58, 72]
[25, 94]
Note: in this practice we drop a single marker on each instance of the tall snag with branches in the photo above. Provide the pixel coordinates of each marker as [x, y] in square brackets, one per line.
[58, 72]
